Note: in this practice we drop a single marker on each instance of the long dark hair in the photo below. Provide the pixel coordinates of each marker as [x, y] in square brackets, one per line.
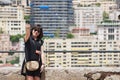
[39, 29]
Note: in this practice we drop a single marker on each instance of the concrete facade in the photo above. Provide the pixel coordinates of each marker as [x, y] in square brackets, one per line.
[87, 17]
[12, 20]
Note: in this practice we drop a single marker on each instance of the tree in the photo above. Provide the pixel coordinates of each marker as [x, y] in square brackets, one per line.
[1, 61]
[14, 61]
[27, 18]
[105, 16]
[15, 38]
[98, 4]
[57, 33]
[69, 35]
[1, 31]
[79, 5]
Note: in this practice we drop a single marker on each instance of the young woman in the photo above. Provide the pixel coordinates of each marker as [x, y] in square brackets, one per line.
[34, 51]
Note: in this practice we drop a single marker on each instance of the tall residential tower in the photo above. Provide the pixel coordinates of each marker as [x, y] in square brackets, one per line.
[55, 16]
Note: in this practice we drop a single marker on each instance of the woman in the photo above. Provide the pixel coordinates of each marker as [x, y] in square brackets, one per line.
[34, 51]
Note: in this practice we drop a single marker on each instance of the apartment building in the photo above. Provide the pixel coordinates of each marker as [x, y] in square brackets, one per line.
[20, 2]
[53, 15]
[73, 54]
[23, 3]
[87, 17]
[109, 30]
[4, 44]
[108, 6]
[26, 4]
[87, 50]
[12, 20]
[115, 15]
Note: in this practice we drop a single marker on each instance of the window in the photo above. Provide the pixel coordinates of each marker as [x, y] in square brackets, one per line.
[110, 37]
[110, 30]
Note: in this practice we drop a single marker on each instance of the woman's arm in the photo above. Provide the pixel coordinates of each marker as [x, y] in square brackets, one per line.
[43, 59]
[42, 56]
[27, 35]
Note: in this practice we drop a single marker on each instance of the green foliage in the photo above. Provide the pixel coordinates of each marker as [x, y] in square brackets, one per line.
[105, 16]
[57, 33]
[15, 38]
[1, 31]
[98, 4]
[10, 53]
[45, 37]
[1, 61]
[15, 61]
[69, 35]
[27, 18]
[94, 33]
[79, 5]
[73, 24]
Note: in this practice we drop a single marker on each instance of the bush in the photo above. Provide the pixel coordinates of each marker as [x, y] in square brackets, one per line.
[15, 61]
[1, 61]
[15, 38]
[69, 35]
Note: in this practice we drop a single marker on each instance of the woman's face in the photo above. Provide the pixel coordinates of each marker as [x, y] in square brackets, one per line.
[35, 32]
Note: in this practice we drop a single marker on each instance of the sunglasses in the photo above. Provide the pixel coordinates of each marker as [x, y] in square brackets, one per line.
[37, 30]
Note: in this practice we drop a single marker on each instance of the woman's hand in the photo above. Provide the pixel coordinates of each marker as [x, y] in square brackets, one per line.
[38, 52]
[27, 26]
[42, 68]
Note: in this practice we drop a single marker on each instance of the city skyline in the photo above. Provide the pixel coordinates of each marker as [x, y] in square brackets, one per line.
[106, 37]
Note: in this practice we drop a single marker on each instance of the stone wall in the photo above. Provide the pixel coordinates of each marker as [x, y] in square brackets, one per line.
[13, 73]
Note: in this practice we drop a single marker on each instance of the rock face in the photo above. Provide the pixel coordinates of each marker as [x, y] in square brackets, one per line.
[13, 73]
[65, 74]
[82, 74]
[103, 75]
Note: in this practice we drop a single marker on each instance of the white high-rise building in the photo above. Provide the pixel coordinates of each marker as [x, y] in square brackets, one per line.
[109, 30]
[12, 20]
[87, 17]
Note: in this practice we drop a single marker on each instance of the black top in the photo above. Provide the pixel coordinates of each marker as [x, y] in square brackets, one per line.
[30, 47]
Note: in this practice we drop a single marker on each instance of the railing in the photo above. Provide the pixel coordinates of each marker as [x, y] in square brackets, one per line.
[110, 51]
[87, 51]
[116, 62]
